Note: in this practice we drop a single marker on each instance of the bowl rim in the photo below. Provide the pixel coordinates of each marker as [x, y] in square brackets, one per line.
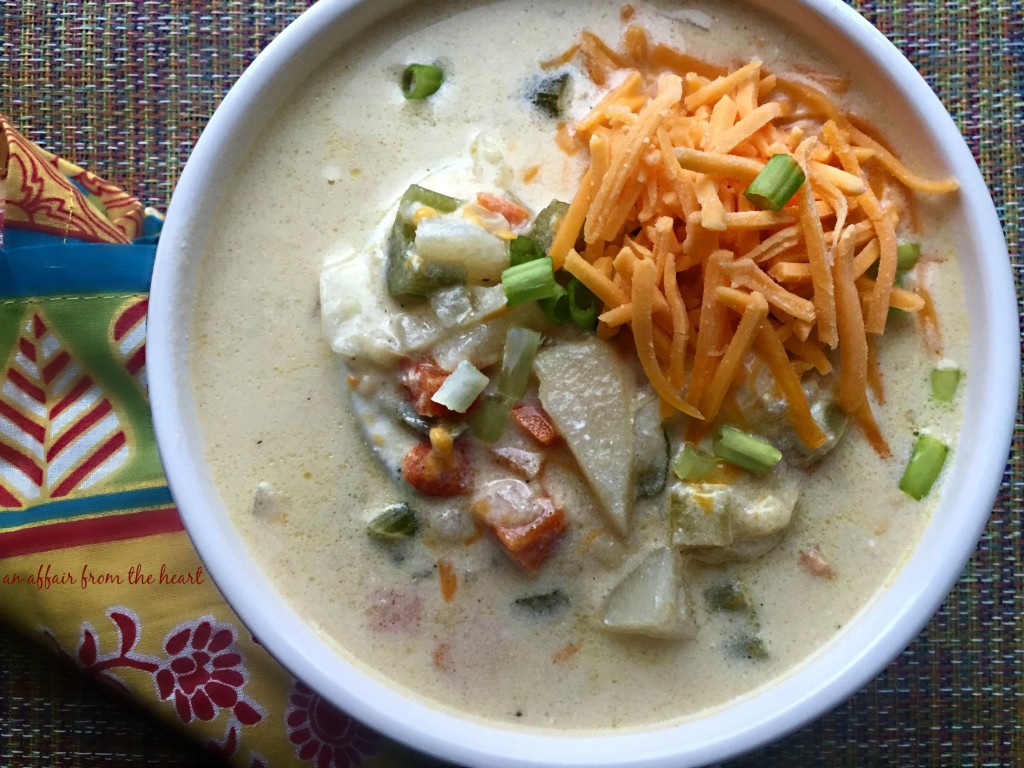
[815, 687]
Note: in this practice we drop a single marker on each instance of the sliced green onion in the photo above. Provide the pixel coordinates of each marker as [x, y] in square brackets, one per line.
[461, 388]
[776, 184]
[582, 305]
[421, 80]
[397, 521]
[907, 256]
[744, 450]
[489, 419]
[944, 383]
[549, 93]
[693, 464]
[529, 282]
[556, 307]
[521, 345]
[523, 249]
[925, 463]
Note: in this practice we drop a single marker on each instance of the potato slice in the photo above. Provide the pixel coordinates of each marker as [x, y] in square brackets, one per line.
[589, 393]
[650, 600]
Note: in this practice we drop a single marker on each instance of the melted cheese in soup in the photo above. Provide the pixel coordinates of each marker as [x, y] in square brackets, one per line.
[274, 404]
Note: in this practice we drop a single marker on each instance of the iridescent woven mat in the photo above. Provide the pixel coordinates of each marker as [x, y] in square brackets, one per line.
[125, 86]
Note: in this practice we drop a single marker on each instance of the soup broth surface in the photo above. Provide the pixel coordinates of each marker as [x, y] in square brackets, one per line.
[274, 406]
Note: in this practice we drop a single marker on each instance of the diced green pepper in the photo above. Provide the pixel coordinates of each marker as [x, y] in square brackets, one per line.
[546, 223]
[543, 604]
[406, 275]
[729, 597]
[549, 93]
[749, 647]
[396, 522]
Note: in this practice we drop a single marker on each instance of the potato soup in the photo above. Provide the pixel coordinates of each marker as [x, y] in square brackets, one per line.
[493, 479]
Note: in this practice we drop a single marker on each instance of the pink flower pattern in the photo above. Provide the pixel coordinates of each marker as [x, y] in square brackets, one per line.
[323, 735]
[204, 674]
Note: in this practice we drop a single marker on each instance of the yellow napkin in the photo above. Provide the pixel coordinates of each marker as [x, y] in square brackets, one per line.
[93, 556]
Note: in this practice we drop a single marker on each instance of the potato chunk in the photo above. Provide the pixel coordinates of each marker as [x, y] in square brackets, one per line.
[589, 395]
[650, 600]
[741, 521]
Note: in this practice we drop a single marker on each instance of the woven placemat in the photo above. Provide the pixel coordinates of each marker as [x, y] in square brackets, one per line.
[125, 87]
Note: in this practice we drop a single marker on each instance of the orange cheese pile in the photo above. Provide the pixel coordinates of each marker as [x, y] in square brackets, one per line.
[660, 232]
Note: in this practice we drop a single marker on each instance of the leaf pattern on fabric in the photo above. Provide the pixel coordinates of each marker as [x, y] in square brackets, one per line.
[47, 193]
[110, 666]
[129, 332]
[58, 431]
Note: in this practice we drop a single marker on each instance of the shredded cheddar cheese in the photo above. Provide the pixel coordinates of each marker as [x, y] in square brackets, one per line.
[660, 231]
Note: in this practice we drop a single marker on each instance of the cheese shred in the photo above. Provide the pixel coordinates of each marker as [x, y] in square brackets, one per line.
[660, 232]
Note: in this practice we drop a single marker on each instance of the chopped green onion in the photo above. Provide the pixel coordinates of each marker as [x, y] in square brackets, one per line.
[547, 222]
[776, 184]
[944, 383]
[489, 420]
[523, 249]
[421, 80]
[521, 345]
[907, 255]
[925, 463]
[744, 450]
[582, 305]
[461, 388]
[693, 464]
[556, 307]
[398, 521]
[549, 93]
[529, 282]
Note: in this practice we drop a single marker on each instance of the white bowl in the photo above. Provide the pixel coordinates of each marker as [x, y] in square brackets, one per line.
[876, 635]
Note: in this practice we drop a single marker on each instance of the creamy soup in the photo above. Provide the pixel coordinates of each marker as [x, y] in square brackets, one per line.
[309, 446]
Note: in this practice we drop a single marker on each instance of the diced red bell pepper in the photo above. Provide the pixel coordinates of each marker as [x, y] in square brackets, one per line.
[421, 380]
[529, 528]
[514, 213]
[434, 475]
[536, 422]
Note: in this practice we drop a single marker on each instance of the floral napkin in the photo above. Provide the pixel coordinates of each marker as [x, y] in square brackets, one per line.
[93, 556]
